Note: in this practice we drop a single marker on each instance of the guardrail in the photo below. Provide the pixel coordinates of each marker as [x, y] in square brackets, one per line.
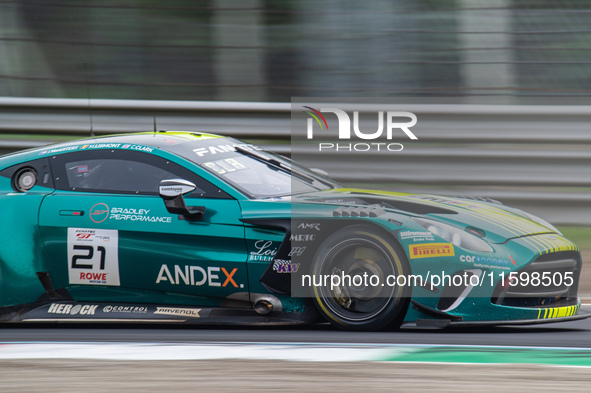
[537, 157]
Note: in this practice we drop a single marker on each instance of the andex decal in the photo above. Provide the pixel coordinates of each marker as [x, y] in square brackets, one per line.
[196, 275]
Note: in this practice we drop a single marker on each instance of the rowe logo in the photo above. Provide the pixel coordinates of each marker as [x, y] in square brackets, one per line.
[344, 129]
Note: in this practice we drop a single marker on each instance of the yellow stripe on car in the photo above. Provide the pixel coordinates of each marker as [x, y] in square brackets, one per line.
[558, 312]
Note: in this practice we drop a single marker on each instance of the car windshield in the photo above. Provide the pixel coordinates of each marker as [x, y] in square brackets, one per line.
[257, 173]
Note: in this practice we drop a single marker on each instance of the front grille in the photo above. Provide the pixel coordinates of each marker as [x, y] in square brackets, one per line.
[552, 289]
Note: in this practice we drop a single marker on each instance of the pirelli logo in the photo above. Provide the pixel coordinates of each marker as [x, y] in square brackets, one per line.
[430, 250]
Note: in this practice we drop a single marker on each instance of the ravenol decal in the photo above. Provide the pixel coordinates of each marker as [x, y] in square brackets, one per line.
[185, 312]
[430, 250]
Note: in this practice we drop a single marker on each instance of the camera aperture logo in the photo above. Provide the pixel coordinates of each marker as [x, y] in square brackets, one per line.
[393, 126]
[316, 118]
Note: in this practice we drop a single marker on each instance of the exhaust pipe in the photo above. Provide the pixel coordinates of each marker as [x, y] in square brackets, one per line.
[263, 307]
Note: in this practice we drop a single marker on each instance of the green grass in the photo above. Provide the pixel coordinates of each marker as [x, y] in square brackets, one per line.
[579, 235]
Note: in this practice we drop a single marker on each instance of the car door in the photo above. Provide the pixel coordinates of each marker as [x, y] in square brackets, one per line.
[109, 236]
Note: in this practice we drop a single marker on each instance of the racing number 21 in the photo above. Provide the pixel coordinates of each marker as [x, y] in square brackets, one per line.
[90, 255]
[93, 256]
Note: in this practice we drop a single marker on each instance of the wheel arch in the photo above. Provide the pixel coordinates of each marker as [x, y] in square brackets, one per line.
[298, 236]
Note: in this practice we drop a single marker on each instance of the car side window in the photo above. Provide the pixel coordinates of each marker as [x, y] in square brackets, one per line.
[115, 174]
[123, 172]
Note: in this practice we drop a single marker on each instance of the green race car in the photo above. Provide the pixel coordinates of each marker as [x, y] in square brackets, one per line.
[184, 227]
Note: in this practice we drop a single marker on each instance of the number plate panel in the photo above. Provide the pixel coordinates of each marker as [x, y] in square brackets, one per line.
[93, 257]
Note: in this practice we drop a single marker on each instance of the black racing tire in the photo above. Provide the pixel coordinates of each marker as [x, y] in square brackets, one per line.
[353, 251]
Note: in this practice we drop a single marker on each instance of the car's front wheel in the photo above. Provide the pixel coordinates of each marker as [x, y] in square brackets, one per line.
[358, 266]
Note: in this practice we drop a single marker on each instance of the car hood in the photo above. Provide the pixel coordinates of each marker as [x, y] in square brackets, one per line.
[499, 223]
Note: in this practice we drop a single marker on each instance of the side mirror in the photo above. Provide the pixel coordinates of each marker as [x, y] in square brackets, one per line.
[172, 188]
[172, 191]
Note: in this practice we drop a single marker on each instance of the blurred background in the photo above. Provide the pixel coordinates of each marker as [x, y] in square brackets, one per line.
[501, 90]
[500, 87]
[271, 50]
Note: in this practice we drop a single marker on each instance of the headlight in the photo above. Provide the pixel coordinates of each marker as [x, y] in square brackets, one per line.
[456, 236]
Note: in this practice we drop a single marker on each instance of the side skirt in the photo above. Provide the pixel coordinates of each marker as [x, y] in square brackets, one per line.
[71, 311]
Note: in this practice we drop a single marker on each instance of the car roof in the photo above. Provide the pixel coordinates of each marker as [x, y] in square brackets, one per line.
[158, 140]
[162, 140]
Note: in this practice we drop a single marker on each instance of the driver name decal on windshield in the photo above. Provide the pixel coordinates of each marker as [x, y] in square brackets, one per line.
[223, 166]
[92, 146]
[93, 256]
[58, 150]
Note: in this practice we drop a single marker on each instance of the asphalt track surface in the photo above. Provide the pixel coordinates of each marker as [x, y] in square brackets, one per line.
[576, 334]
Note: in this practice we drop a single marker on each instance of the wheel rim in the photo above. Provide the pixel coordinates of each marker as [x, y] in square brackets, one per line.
[358, 257]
